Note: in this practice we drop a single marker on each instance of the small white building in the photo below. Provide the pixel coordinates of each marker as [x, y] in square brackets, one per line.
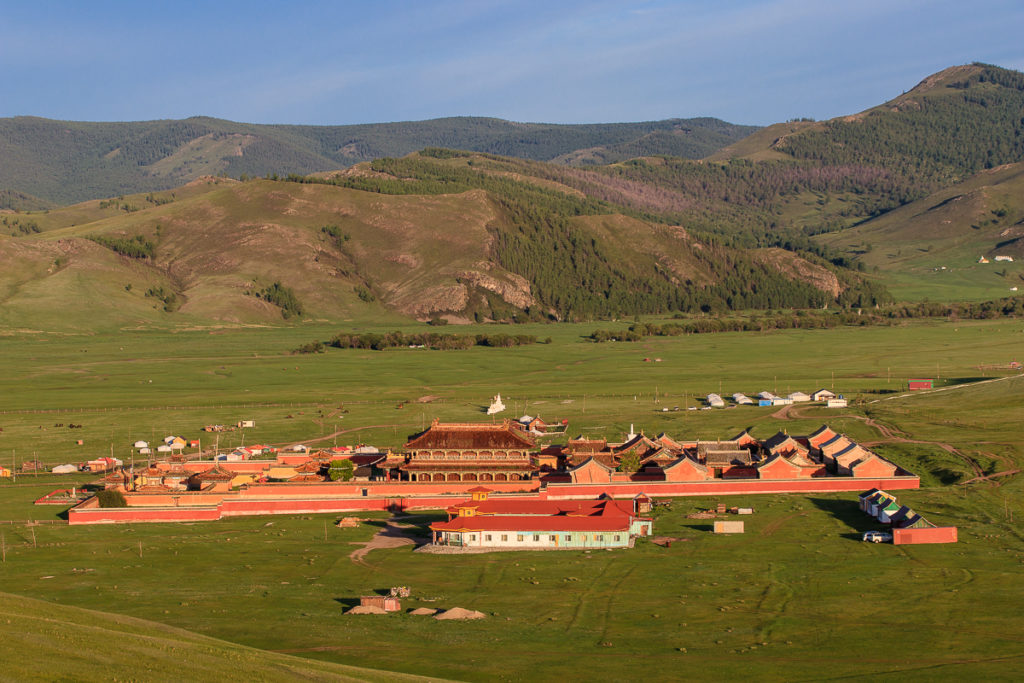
[742, 399]
[767, 396]
[715, 401]
[141, 444]
[779, 401]
[1008, 259]
[838, 402]
[799, 397]
[822, 395]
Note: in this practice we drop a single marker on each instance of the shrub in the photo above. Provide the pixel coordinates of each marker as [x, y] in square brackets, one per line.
[111, 498]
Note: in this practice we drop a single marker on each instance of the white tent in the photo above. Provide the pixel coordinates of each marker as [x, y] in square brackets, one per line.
[168, 439]
[64, 469]
[141, 444]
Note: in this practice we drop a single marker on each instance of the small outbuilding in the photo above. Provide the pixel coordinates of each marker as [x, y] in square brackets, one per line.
[388, 603]
[723, 527]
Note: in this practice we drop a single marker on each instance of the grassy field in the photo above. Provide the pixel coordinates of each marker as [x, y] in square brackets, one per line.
[798, 597]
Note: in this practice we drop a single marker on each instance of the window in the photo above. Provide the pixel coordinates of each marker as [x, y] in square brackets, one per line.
[598, 537]
[487, 537]
[519, 537]
[617, 538]
[568, 537]
[536, 538]
[553, 538]
[504, 537]
[472, 537]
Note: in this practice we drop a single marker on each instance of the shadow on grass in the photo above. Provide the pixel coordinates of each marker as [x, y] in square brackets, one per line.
[848, 511]
[955, 381]
[347, 603]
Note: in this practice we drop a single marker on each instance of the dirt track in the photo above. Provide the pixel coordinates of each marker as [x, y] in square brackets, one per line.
[391, 535]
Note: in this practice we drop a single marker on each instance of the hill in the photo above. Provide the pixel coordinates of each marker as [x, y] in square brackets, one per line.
[44, 641]
[932, 248]
[455, 235]
[951, 125]
[67, 161]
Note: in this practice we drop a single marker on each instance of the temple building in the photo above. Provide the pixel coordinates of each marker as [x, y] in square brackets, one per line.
[469, 452]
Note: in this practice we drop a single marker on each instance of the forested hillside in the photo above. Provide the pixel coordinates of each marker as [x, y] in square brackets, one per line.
[65, 161]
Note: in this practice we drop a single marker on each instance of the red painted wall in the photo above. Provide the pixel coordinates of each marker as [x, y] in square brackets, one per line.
[939, 534]
[327, 498]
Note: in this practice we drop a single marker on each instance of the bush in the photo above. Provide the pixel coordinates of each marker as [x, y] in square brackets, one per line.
[341, 470]
[284, 298]
[111, 498]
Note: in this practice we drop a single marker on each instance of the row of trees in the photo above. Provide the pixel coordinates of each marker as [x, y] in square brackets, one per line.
[432, 340]
[1007, 307]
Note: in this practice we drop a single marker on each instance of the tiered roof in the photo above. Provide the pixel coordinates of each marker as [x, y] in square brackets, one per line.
[470, 436]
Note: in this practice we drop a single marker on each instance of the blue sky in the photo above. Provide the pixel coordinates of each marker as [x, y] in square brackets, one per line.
[754, 62]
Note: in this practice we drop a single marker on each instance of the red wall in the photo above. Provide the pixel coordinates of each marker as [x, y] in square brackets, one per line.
[271, 499]
[939, 534]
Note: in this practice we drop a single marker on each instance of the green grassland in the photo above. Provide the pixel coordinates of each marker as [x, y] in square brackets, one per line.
[59, 642]
[796, 597]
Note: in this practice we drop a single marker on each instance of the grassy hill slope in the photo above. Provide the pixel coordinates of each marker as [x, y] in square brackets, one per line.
[43, 641]
[931, 248]
[67, 161]
[452, 234]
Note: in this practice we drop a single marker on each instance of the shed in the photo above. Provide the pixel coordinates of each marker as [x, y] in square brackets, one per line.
[140, 444]
[822, 395]
[715, 401]
[387, 603]
[836, 403]
[64, 469]
[799, 397]
[723, 527]
[919, 384]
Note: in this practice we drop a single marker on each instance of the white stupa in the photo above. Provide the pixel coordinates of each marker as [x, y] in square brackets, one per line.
[496, 406]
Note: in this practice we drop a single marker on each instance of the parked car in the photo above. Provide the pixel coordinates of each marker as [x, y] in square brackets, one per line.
[877, 537]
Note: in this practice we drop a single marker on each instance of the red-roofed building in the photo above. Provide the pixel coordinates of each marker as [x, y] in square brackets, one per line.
[539, 524]
[469, 452]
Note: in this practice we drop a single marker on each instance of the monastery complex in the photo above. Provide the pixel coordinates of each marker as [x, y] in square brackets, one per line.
[440, 465]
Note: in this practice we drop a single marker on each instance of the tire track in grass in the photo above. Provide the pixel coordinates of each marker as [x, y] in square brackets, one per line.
[774, 600]
[582, 599]
[606, 616]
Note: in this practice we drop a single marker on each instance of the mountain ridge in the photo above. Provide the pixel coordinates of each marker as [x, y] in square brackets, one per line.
[70, 161]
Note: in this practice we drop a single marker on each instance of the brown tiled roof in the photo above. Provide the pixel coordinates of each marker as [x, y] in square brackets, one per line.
[577, 459]
[724, 458]
[216, 473]
[707, 446]
[470, 436]
[309, 467]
